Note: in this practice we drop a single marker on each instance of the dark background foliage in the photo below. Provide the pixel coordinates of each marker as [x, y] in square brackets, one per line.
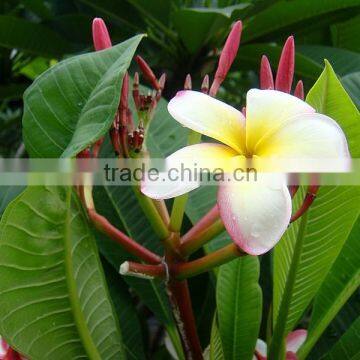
[184, 36]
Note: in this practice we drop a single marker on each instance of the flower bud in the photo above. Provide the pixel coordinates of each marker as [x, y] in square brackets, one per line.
[101, 37]
[285, 71]
[266, 76]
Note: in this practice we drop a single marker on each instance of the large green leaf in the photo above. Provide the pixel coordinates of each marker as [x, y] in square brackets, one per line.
[128, 317]
[196, 26]
[343, 61]
[239, 303]
[342, 280]
[31, 37]
[290, 15]
[7, 194]
[343, 34]
[348, 347]
[351, 83]
[74, 103]
[216, 351]
[310, 246]
[53, 295]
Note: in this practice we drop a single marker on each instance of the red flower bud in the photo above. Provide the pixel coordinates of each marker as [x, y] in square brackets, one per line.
[266, 76]
[227, 57]
[147, 72]
[299, 90]
[101, 38]
[188, 82]
[285, 71]
[205, 84]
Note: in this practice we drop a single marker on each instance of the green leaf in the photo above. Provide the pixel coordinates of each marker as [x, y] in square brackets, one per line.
[309, 248]
[197, 26]
[53, 295]
[128, 317]
[216, 351]
[348, 347]
[74, 103]
[7, 194]
[343, 61]
[239, 303]
[156, 9]
[351, 83]
[344, 34]
[341, 282]
[31, 37]
[329, 97]
[292, 15]
[119, 11]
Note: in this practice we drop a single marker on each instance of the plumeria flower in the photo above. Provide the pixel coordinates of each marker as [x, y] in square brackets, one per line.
[293, 343]
[3, 348]
[277, 126]
[6, 353]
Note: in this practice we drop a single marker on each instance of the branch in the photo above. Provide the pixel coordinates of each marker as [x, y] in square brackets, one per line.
[204, 230]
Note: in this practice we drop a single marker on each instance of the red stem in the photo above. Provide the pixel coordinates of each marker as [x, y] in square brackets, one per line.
[198, 231]
[308, 200]
[129, 244]
[181, 302]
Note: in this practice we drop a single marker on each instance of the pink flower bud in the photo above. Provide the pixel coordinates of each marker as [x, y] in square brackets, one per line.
[101, 38]
[147, 72]
[188, 82]
[205, 84]
[266, 76]
[299, 90]
[227, 57]
[285, 72]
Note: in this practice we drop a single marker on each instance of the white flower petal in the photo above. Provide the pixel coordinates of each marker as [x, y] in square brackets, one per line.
[295, 339]
[255, 214]
[267, 111]
[208, 116]
[176, 181]
[3, 348]
[306, 136]
[261, 348]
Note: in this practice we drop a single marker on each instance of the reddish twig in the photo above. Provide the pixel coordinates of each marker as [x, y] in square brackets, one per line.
[201, 232]
[308, 200]
[129, 244]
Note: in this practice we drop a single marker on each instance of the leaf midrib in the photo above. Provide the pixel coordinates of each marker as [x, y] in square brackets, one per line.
[79, 318]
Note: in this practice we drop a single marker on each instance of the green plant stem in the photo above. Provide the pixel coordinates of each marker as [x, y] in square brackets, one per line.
[277, 345]
[151, 212]
[178, 210]
[203, 231]
[177, 213]
[206, 263]
[184, 270]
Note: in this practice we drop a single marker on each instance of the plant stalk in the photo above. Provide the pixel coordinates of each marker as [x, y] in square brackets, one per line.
[129, 244]
[204, 230]
[179, 296]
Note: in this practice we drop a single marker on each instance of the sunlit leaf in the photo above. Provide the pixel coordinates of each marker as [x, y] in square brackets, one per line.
[53, 295]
